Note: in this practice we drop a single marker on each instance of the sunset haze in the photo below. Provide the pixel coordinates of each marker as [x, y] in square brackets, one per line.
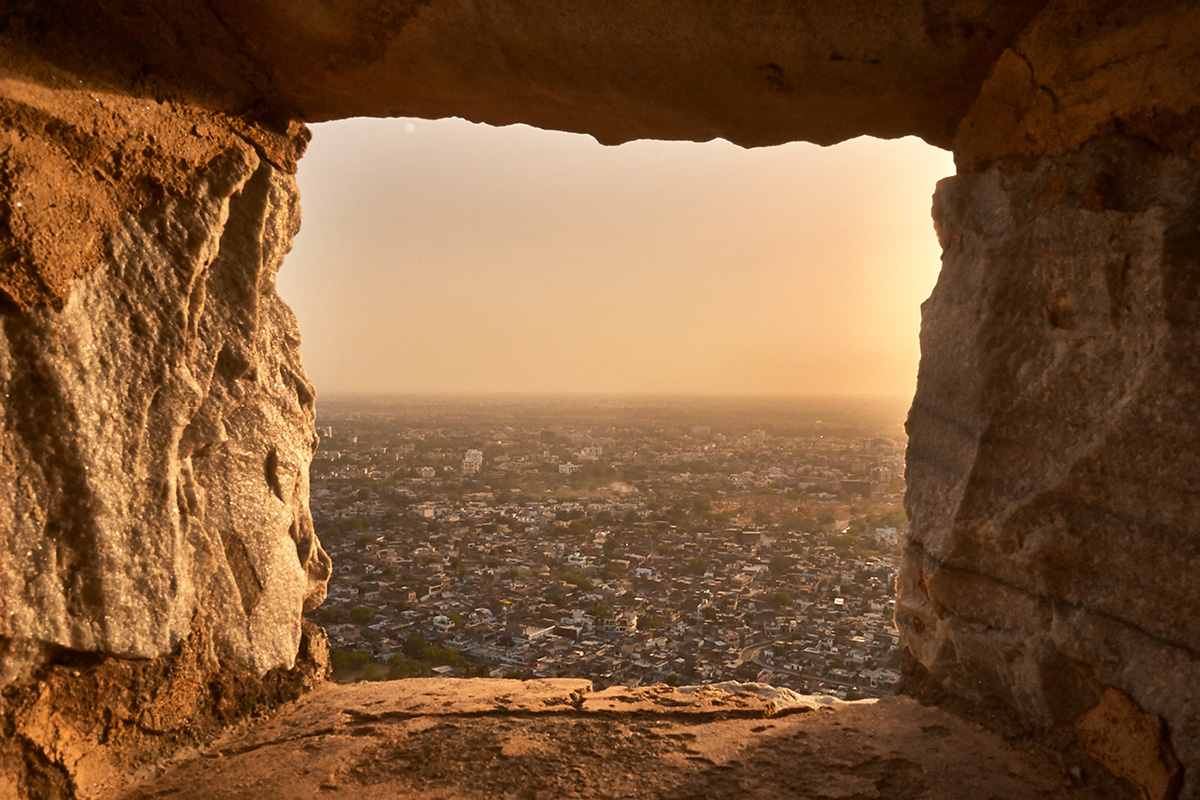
[452, 257]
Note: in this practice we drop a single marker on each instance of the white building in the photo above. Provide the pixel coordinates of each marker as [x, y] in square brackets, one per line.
[472, 462]
[591, 453]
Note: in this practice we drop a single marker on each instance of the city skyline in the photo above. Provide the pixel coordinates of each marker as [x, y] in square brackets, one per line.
[446, 257]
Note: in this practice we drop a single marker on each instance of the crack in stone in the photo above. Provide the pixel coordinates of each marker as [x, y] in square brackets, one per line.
[1033, 81]
[1058, 603]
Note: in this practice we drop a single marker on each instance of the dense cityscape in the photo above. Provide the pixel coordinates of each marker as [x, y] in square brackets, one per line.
[623, 542]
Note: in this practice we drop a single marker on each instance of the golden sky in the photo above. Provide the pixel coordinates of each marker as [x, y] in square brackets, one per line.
[444, 256]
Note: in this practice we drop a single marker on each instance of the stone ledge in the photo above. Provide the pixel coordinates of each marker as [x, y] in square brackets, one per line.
[446, 738]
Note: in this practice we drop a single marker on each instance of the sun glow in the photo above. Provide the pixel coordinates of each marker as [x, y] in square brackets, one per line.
[451, 257]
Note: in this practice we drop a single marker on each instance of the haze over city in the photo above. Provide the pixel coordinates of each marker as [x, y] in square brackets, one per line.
[449, 257]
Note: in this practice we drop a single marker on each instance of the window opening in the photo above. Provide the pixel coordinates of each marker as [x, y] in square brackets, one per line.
[632, 414]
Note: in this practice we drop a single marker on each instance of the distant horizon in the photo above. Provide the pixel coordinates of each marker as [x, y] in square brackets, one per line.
[885, 414]
[385, 395]
[606, 398]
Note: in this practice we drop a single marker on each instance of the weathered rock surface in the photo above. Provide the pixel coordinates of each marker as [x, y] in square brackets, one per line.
[89, 724]
[1130, 743]
[155, 430]
[755, 73]
[1086, 69]
[1053, 439]
[156, 425]
[440, 738]
[76, 160]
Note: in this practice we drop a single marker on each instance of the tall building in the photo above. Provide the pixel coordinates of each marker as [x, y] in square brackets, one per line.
[472, 462]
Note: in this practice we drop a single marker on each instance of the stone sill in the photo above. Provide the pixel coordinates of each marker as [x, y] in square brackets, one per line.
[453, 738]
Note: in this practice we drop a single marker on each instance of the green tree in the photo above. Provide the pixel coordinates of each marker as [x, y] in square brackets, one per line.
[709, 613]
[361, 614]
[400, 667]
[348, 660]
[328, 615]
[371, 672]
[414, 645]
[441, 656]
[579, 579]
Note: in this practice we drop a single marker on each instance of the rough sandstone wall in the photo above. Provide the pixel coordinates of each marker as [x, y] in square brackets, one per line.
[1054, 561]
[756, 73]
[155, 435]
[1052, 440]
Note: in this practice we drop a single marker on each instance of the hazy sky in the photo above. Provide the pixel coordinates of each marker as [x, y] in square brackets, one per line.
[452, 257]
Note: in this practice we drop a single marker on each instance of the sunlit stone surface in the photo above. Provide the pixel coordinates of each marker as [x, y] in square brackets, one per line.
[557, 739]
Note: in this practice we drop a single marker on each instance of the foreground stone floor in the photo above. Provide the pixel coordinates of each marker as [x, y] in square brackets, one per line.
[445, 738]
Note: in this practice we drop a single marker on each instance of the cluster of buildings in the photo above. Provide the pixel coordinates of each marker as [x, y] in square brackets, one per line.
[639, 552]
